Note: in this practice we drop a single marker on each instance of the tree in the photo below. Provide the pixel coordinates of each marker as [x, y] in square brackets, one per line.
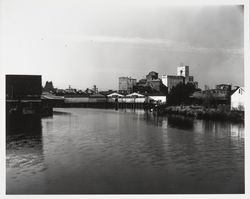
[180, 94]
[209, 100]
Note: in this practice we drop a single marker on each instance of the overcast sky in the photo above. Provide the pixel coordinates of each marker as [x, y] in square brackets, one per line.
[80, 44]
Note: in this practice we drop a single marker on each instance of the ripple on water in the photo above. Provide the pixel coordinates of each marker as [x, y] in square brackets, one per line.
[126, 151]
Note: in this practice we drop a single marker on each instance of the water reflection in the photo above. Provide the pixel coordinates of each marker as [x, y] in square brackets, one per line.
[237, 130]
[222, 129]
[28, 125]
[24, 155]
[181, 122]
[125, 151]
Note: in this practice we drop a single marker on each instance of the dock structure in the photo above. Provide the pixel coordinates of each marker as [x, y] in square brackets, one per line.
[23, 95]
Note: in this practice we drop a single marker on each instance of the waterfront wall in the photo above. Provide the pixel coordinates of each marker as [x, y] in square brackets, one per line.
[111, 105]
[200, 112]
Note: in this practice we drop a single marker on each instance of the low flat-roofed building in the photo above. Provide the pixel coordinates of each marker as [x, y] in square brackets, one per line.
[157, 97]
[76, 98]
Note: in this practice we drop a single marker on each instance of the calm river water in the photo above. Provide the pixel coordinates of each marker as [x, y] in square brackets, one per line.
[80, 151]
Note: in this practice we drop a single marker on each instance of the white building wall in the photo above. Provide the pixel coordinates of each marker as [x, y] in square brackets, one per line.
[237, 99]
[164, 80]
[133, 100]
[162, 99]
[183, 71]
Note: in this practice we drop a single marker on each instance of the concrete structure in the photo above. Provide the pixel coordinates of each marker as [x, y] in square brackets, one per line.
[152, 75]
[164, 80]
[189, 79]
[238, 99]
[151, 84]
[173, 80]
[182, 77]
[183, 71]
[126, 84]
[155, 84]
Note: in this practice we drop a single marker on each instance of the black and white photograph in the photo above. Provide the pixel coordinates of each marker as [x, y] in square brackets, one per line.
[124, 98]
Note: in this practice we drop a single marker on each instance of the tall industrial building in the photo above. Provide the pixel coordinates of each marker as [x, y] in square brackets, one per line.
[126, 84]
[182, 77]
[183, 71]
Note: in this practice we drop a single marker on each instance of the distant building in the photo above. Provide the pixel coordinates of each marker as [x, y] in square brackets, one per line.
[89, 91]
[115, 97]
[237, 99]
[221, 94]
[49, 87]
[106, 93]
[164, 80]
[182, 77]
[126, 84]
[59, 92]
[70, 90]
[141, 82]
[155, 84]
[183, 71]
[173, 80]
[226, 87]
[195, 84]
[189, 79]
[134, 98]
[95, 89]
[157, 97]
[152, 75]
[76, 98]
[151, 84]
[96, 98]
[142, 88]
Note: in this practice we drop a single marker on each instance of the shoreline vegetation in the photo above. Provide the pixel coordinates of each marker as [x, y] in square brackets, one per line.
[200, 112]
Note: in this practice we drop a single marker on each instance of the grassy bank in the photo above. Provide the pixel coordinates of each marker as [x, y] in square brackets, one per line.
[200, 112]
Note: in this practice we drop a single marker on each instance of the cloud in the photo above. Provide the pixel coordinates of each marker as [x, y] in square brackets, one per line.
[150, 43]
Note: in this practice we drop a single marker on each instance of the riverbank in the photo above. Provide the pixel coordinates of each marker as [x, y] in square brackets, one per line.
[200, 112]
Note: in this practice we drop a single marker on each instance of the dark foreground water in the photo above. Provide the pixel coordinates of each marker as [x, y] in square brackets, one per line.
[106, 151]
